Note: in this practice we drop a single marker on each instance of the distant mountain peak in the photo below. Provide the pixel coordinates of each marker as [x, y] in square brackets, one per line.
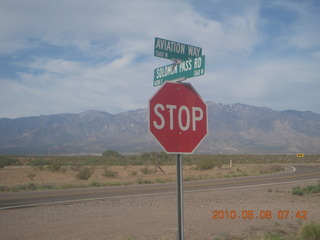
[233, 128]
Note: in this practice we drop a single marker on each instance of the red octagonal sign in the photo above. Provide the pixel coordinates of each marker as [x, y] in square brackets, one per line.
[178, 117]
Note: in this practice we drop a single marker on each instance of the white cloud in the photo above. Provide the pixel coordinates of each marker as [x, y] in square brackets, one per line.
[77, 55]
[124, 25]
[280, 84]
[115, 86]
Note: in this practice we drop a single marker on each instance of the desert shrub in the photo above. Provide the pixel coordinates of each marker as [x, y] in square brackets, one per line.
[205, 164]
[111, 153]
[95, 184]
[4, 188]
[271, 236]
[39, 162]
[54, 166]
[84, 173]
[48, 186]
[76, 166]
[7, 161]
[25, 187]
[219, 163]
[276, 168]
[111, 157]
[307, 190]
[143, 181]
[110, 174]
[310, 231]
[32, 186]
[31, 176]
[68, 186]
[191, 178]
[297, 191]
[147, 170]
[133, 173]
[161, 180]
[157, 158]
[313, 189]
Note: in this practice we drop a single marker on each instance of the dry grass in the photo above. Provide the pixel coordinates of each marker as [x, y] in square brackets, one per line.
[12, 178]
[112, 169]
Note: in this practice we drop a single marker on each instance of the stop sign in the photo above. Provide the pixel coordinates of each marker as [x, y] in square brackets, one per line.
[178, 117]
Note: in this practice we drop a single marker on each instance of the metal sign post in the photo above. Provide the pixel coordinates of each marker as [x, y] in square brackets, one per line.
[180, 197]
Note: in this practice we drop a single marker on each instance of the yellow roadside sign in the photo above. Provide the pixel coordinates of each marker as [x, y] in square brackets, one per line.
[300, 154]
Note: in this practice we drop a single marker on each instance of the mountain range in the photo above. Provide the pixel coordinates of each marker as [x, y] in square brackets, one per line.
[233, 129]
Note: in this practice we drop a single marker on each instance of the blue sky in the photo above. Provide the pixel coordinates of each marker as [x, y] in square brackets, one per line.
[74, 55]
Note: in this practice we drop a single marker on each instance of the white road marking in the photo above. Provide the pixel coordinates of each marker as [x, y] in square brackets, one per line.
[293, 169]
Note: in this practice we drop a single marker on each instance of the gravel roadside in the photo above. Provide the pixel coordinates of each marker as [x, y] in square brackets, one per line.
[154, 217]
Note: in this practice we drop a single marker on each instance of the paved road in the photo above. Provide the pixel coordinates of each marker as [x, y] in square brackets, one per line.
[36, 198]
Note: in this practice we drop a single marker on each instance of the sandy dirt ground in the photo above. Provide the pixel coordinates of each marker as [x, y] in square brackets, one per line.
[154, 217]
[19, 175]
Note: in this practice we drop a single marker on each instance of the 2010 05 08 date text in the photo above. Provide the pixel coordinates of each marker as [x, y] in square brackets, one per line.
[262, 214]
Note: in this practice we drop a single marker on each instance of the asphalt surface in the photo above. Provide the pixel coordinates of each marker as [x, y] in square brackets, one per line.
[38, 198]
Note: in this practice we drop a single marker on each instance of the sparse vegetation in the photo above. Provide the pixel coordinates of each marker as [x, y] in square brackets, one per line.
[31, 176]
[271, 169]
[7, 161]
[112, 154]
[113, 158]
[297, 191]
[310, 231]
[133, 173]
[28, 187]
[143, 181]
[110, 174]
[157, 167]
[208, 162]
[307, 190]
[271, 236]
[39, 162]
[54, 166]
[112, 169]
[84, 173]
[205, 164]
[146, 170]
[4, 188]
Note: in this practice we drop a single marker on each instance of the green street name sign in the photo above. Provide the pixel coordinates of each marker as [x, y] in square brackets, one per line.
[192, 67]
[174, 50]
